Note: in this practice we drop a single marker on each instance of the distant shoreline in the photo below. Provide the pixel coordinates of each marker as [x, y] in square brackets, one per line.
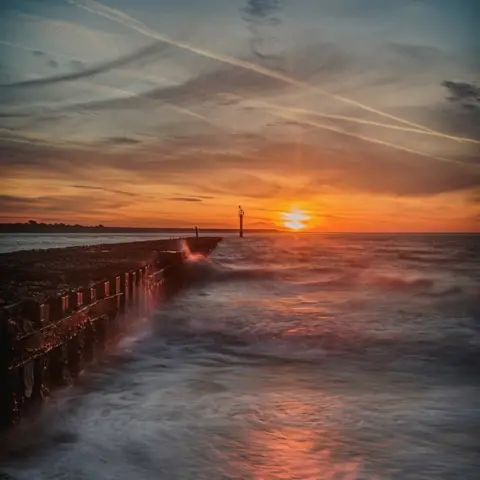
[48, 228]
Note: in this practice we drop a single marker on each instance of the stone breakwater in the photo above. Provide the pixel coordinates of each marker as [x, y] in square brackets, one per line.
[60, 307]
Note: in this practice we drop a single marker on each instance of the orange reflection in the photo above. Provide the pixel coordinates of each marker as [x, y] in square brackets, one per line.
[295, 440]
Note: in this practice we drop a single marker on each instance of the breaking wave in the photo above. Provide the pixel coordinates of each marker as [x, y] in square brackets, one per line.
[203, 270]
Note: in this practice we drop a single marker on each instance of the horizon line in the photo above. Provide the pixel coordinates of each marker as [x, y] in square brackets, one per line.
[58, 226]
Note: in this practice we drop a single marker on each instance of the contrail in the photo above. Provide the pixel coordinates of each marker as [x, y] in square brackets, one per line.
[358, 120]
[130, 22]
[190, 113]
[366, 139]
[141, 75]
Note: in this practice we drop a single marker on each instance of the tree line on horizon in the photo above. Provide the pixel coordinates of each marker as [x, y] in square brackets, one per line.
[34, 225]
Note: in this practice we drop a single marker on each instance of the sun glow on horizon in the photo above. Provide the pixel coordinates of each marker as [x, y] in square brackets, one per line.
[295, 219]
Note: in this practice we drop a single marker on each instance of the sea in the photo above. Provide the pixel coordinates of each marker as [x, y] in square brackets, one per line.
[289, 356]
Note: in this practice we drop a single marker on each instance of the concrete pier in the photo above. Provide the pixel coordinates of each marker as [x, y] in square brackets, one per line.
[60, 307]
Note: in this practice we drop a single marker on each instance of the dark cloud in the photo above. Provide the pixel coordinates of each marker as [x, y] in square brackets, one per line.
[122, 141]
[461, 115]
[49, 61]
[8, 202]
[468, 93]
[14, 115]
[201, 197]
[262, 9]
[46, 161]
[149, 51]
[185, 199]
[260, 18]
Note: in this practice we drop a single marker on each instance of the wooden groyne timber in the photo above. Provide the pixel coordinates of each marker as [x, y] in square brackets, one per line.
[59, 307]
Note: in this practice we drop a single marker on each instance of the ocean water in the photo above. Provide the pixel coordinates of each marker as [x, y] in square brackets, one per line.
[288, 357]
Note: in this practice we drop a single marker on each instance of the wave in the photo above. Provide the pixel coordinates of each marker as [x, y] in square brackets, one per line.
[340, 282]
[396, 283]
[447, 292]
[199, 270]
[436, 259]
[203, 270]
[401, 283]
[242, 337]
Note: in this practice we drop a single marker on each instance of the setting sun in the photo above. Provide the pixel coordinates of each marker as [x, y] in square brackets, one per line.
[295, 219]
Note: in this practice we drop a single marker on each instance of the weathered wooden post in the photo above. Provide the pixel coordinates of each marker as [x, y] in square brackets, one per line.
[88, 297]
[241, 213]
[114, 316]
[101, 327]
[142, 290]
[134, 281]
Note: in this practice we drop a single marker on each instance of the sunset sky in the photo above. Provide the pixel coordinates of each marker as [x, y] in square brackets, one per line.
[365, 115]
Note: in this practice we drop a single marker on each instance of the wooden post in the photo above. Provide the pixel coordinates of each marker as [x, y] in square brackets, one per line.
[240, 216]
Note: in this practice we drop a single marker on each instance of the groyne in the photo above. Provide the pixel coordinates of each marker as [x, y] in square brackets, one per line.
[59, 308]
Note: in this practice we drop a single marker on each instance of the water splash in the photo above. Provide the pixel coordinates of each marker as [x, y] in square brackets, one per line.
[188, 254]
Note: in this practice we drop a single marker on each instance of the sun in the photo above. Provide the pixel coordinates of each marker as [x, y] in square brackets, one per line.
[295, 219]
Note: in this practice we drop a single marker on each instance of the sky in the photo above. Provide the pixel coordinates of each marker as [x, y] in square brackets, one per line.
[365, 116]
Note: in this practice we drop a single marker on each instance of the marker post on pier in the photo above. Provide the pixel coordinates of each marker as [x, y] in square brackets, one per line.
[241, 213]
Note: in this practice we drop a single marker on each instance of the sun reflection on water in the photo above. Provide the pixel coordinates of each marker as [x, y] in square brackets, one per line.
[288, 439]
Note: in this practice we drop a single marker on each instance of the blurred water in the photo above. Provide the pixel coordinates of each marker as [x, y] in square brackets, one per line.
[290, 357]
